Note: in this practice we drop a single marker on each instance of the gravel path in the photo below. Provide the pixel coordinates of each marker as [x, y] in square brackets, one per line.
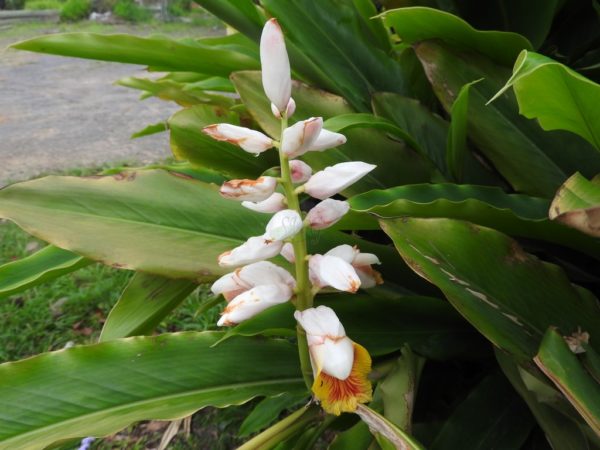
[58, 113]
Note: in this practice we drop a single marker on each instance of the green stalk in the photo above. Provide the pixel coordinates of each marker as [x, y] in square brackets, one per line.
[304, 297]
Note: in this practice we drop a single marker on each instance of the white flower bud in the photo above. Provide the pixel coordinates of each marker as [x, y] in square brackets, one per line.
[276, 74]
[254, 249]
[327, 270]
[298, 138]
[283, 225]
[327, 139]
[287, 251]
[361, 262]
[300, 171]
[249, 190]
[335, 179]
[327, 213]
[254, 301]
[276, 202]
[251, 141]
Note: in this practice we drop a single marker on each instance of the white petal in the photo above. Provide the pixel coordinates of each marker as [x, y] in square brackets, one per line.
[314, 271]
[251, 302]
[287, 251]
[336, 178]
[276, 202]
[283, 225]
[249, 190]
[291, 108]
[250, 140]
[320, 323]
[254, 249]
[263, 272]
[344, 251]
[327, 213]
[276, 76]
[338, 357]
[327, 139]
[365, 259]
[228, 286]
[367, 276]
[338, 274]
[298, 138]
[300, 171]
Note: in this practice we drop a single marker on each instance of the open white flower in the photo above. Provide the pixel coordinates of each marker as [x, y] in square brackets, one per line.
[335, 179]
[328, 270]
[249, 190]
[253, 301]
[276, 202]
[327, 213]
[340, 365]
[283, 225]
[275, 65]
[251, 141]
[300, 171]
[298, 138]
[256, 248]
[361, 262]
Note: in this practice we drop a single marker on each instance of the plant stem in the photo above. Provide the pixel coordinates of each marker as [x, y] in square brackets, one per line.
[304, 297]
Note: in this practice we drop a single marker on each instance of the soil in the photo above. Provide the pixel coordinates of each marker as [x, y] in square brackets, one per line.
[59, 113]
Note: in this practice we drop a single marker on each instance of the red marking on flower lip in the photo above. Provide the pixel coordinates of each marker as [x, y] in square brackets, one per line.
[354, 285]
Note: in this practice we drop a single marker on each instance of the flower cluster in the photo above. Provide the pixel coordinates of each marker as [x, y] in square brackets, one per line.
[340, 366]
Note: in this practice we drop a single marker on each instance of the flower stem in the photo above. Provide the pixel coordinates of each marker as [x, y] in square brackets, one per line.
[304, 296]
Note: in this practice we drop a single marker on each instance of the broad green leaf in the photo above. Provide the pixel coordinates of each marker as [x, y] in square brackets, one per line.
[382, 150]
[492, 416]
[558, 97]
[336, 38]
[267, 411]
[532, 160]
[560, 430]
[457, 148]
[146, 300]
[184, 169]
[154, 221]
[210, 84]
[44, 265]
[577, 205]
[188, 142]
[356, 438]
[563, 368]
[241, 15]
[417, 24]
[510, 296]
[383, 325]
[379, 425]
[154, 128]
[399, 389]
[98, 389]
[165, 53]
[514, 214]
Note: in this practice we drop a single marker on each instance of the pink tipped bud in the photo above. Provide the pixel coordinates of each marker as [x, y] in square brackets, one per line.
[276, 202]
[291, 108]
[287, 251]
[327, 139]
[298, 138]
[276, 75]
[254, 249]
[254, 301]
[335, 179]
[251, 141]
[301, 171]
[327, 213]
[249, 190]
[283, 225]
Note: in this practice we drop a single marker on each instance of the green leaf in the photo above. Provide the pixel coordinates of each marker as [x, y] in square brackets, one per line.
[161, 52]
[577, 205]
[510, 296]
[560, 429]
[184, 169]
[515, 214]
[104, 387]
[337, 39]
[242, 15]
[267, 411]
[558, 97]
[188, 142]
[429, 325]
[146, 300]
[383, 151]
[356, 438]
[178, 235]
[44, 265]
[417, 24]
[563, 368]
[457, 148]
[492, 416]
[532, 160]
[382, 427]
[154, 128]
